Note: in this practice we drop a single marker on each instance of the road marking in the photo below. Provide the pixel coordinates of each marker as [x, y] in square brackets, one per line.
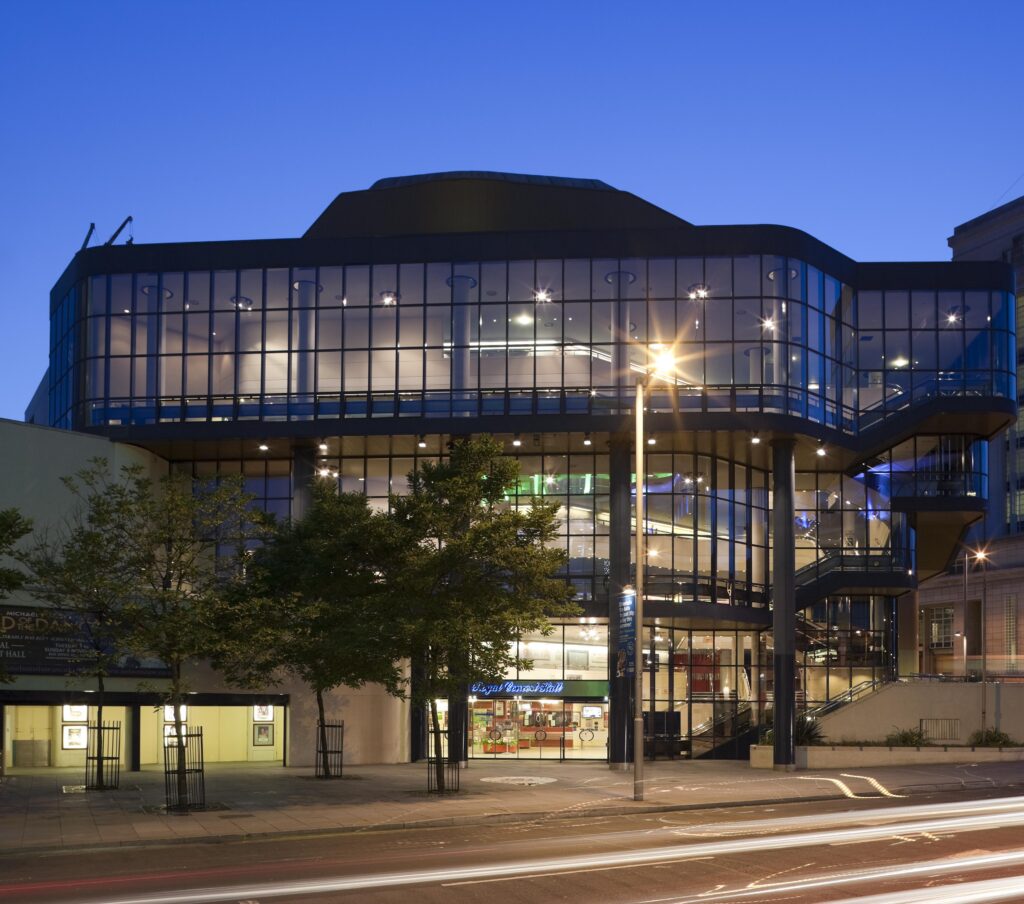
[841, 785]
[877, 785]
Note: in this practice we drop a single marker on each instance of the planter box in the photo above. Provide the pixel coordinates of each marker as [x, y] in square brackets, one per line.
[847, 757]
[499, 748]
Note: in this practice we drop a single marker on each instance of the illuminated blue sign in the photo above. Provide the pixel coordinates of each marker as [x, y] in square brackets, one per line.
[516, 688]
[625, 654]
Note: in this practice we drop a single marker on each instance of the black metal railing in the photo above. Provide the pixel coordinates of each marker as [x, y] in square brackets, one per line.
[443, 777]
[103, 756]
[184, 775]
[330, 749]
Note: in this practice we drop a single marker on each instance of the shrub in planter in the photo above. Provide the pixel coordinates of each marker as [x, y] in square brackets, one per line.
[806, 733]
[907, 737]
[990, 737]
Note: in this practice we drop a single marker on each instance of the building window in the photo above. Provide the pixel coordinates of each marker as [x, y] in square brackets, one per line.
[940, 627]
[1010, 631]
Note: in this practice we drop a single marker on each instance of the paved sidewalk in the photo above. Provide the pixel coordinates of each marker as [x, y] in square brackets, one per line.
[40, 809]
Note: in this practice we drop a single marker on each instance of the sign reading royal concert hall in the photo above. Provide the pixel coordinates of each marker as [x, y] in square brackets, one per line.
[541, 688]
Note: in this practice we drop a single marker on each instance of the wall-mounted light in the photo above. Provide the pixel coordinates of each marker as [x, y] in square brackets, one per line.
[755, 440]
[586, 439]
[422, 443]
[264, 447]
[516, 441]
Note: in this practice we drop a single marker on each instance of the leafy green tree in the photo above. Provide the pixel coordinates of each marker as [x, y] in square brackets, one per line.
[187, 550]
[476, 573]
[83, 565]
[314, 604]
[13, 526]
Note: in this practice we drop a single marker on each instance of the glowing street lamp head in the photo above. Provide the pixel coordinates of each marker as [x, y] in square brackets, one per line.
[665, 363]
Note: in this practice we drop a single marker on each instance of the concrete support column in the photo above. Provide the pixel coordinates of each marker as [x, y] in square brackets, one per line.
[784, 599]
[134, 719]
[462, 312]
[619, 555]
[303, 465]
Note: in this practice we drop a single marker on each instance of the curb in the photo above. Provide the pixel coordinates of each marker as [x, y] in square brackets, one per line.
[483, 819]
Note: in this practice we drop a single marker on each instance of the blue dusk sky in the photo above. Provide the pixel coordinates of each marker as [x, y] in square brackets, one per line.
[875, 126]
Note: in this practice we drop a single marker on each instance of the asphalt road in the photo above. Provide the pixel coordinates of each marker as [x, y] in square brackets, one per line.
[940, 848]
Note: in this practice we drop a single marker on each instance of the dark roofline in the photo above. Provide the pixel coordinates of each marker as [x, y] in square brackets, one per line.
[524, 178]
[689, 241]
[993, 214]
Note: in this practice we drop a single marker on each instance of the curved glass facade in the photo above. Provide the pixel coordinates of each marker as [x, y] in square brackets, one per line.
[288, 359]
[755, 333]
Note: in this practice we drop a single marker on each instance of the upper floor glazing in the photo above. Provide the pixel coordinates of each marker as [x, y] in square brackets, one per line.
[753, 333]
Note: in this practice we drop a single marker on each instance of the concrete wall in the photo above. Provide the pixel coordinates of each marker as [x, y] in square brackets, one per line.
[904, 704]
[32, 461]
[761, 757]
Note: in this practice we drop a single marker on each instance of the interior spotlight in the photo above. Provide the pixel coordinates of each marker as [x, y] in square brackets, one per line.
[516, 441]
[586, 440]
[423, 441]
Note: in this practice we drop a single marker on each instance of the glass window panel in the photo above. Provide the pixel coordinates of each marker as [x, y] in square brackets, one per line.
[718, 280]
[357, 286]
[328, 372]
[689, 275]
[521, 282]
[170, 375]
[384, 326]
[549, 280]
[922, 310]
[410, 329]
[439, 283]
[172, 334]
[661, 275]
[410, 283]
[357, 327]
[637, 286]
[332, 282]
[98, 295]
[121, 294]
[385, 285]
[870, 310]
[223, 375]
[249, 374]
[276, 365]
[576, 276]
[356, 371]
[600, 285]
[329, 328]
[197, 375]
[278, 289]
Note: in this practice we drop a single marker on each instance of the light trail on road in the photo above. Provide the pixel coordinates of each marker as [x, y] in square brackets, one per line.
[905, 820]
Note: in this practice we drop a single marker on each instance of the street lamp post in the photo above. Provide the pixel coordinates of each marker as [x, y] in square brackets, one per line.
[982, 556]
[638, 626]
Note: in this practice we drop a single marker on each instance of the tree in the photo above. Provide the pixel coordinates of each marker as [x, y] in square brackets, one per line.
[13, 526]
[476, 573]
[187, 550]
[83, 566]
[315, 601]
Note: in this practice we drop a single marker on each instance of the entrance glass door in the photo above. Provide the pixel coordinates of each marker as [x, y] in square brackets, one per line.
[587, 738]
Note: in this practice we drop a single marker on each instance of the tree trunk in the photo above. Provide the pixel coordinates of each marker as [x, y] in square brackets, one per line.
[438, 748]
[183, 801]
[325, 760]
[100, 784]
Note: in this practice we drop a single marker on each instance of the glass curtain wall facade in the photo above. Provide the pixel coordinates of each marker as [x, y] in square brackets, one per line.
[752, 333]
[357, 358]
